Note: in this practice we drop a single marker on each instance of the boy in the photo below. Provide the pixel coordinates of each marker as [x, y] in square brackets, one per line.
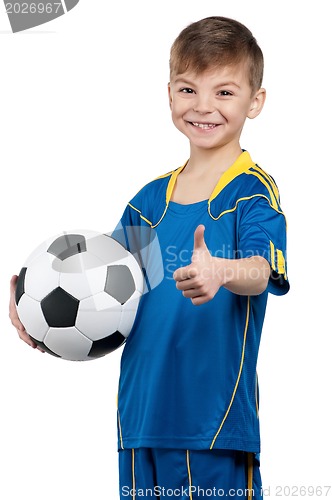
[188, 393]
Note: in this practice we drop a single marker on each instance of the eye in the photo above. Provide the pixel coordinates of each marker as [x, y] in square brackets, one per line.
[224, 93]
[186, 90]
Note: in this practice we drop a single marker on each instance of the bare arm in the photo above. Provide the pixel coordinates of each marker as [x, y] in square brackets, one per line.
[201, 280]
[245, 276]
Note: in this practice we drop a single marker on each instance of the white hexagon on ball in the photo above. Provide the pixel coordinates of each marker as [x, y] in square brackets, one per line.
[97, 315]
[40, 277]
[68, 343]
[32, 317]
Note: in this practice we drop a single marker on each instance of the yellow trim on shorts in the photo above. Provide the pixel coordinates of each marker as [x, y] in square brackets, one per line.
[250, 457]
[133, 473]
[189, 476]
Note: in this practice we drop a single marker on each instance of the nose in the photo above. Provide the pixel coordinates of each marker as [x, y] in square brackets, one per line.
[203, 104]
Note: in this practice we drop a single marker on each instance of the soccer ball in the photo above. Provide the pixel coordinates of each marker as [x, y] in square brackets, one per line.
[77, 295]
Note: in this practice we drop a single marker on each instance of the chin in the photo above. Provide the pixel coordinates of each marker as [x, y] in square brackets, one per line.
[204, 145]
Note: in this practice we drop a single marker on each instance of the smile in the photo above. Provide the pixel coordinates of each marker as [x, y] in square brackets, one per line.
[204, 126]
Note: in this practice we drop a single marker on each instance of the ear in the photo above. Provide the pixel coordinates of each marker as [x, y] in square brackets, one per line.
[257, 103]
[170, 100]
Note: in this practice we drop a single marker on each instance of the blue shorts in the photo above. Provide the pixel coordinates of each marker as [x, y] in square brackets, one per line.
[168, 474]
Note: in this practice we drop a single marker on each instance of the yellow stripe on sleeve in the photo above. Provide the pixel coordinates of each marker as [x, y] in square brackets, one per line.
[281, 263]
[270, 180]
[278, 262]
[272, 252]
[274, 201]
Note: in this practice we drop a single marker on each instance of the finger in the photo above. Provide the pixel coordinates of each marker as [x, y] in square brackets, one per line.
[192, 293]
[185, 273]
[12, 306]
[24, 336]
[199, 242]
[13, 282]
[188, 284]
[17, 323]
[28, 340]
[14, 316]
[198, 301]
[16, 320]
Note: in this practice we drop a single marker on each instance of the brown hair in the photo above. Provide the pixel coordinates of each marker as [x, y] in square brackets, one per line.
[217, 41]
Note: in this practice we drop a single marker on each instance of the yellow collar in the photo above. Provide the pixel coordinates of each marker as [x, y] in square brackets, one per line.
[241, 164]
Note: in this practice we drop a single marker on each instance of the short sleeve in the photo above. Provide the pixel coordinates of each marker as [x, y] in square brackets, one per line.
[142, 242]
[262, 231]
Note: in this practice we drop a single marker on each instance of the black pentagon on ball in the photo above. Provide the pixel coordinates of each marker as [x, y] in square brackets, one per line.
[67, 245]
[106, 345]
[60, 308]
[120, 283]
[20, 285]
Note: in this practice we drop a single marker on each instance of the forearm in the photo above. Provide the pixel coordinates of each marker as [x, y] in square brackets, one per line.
[201, 280]
[248, 276]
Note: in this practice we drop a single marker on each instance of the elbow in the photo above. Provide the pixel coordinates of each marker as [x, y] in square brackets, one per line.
[259, 285]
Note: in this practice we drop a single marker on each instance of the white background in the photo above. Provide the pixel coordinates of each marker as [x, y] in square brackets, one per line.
[84, 124]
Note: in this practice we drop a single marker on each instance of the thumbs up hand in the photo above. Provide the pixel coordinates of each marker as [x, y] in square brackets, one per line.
[200, 280]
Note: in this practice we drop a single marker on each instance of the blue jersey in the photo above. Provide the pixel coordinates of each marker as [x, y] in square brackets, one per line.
[188, 373]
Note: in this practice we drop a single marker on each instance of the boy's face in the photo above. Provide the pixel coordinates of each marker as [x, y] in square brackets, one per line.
[210, 108]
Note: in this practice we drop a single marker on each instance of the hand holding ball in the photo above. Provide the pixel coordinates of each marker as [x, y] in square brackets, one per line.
[77, 295]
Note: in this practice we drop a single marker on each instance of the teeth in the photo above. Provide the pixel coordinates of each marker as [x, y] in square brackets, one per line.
[204, 125]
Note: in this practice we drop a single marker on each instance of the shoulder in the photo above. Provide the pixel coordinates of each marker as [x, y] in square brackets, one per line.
[151, 201]
[152, 189]
[251, 184]
[261, 181]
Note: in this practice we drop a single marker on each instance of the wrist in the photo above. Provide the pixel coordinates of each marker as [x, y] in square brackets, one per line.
[224, 270]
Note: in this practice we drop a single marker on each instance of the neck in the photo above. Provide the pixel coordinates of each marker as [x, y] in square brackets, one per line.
[217, 159]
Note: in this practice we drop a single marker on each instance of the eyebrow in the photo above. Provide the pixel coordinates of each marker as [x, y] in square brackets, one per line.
[182, 80]
[222, 84]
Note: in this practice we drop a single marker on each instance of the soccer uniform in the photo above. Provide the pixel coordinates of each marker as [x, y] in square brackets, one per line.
[188, 374]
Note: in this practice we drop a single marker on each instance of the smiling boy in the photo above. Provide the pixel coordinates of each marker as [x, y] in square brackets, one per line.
[188, 390]
[188, 393]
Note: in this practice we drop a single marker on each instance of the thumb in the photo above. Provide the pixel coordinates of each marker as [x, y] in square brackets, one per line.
[199, 242]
